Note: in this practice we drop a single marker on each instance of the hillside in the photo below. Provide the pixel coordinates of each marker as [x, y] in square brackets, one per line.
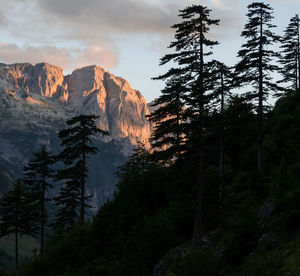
[146, 228]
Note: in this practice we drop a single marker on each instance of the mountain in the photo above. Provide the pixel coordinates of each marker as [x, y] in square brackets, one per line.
[36, 100]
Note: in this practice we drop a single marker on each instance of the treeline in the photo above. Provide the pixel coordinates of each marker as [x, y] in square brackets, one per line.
[218, 192]
[191, 106]
[24, 209]
[147, 228]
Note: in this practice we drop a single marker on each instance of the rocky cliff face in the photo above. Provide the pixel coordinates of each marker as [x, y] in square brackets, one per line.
[36, 100]
[121, 109]
[41, 79]
[88, 90]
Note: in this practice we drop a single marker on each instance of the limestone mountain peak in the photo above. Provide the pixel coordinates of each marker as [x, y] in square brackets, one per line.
[87, 90]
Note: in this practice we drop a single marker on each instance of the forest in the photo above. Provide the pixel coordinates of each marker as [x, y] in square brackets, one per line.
[216, 194]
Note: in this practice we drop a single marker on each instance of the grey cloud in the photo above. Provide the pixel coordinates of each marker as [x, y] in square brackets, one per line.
[116, 16]
[11, 53]
[226, 4]
[90, 20]
[287, 1]
[230, 23]
[67, 59]
[92, 26]
[3, 19]
[94, 18]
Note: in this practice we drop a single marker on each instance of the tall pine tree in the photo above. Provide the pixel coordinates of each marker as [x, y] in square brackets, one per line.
[256, 65]
[191, 46]
[37, 174]
[78, 145]
[290, 54]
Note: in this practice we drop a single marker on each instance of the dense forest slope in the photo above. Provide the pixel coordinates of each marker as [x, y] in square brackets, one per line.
[147, 228]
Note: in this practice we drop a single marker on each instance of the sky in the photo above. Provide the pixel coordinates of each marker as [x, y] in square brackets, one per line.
[126, 37]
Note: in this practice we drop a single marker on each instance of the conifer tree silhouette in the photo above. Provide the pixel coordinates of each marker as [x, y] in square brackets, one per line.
[190, 82]
[169, 120]
[37, 174]
[14, 216]
[256, 64]
[221, 79]
[290, 54]
[77, 144]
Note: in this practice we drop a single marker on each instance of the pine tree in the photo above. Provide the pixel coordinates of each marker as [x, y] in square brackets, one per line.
[36, 178]
[139, 162]
[290, 54]
[221, 78]
[169, 120]
[68, 199]
[190, 47]
[78, 145]
[256, 64]
[14, 217]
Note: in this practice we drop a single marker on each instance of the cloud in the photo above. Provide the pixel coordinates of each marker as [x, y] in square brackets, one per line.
[93, 19]
[11, 53]
[114, 16]
[288, 1]
[91, 26]
[226, 4]
[79, 32]
[96, 55]
[3, 19]
[67, 59]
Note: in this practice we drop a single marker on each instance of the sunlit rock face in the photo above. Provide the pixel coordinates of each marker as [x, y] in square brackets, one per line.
[121, 109]
[88, 90]
[42, 79]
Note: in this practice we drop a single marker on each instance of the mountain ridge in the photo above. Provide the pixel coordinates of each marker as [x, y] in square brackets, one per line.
[36, 100]
[87, 90]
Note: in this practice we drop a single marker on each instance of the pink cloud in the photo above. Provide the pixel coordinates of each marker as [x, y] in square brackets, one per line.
[102, 56]
[65, 58]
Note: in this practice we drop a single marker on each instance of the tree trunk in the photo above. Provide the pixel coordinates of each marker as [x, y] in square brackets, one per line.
[296, 72]
[221, 165]
[82, 188]
[178, 135]
[198, 223]
[260, 107]
[42, 219]
[298, 54]
[17, 247]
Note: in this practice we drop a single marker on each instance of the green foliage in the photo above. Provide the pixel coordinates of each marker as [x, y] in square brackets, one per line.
[256, 57]
[169, 120]
[37, 173]
[78, 146]
[2, 272]
[281, 260]
[6, 180]
[15, 215]
[197, 261]
[290, 54]
[14, 211]
[27, 247]
[284, 154]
